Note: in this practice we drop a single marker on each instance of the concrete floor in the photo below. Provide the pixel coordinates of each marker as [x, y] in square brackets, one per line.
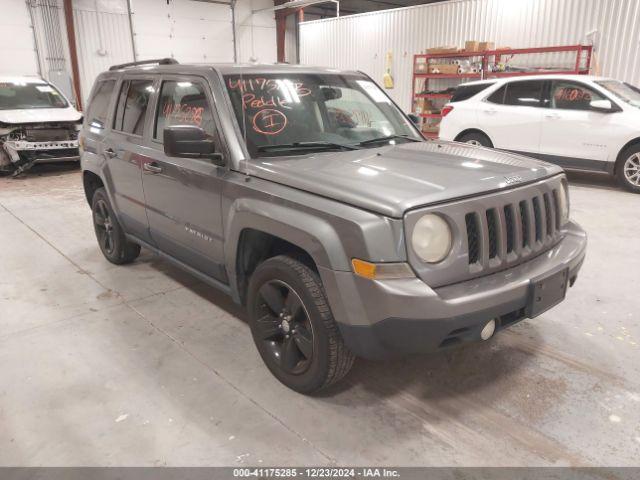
[143, 365]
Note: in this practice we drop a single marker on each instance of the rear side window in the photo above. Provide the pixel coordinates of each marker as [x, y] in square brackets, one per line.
[183, 103]
[132, 106]
[498, 95]
[465, 92]
[524, 94]
[98, 109]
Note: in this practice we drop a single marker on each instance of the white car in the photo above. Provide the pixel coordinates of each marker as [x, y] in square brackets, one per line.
[576, 121]
[37, 124]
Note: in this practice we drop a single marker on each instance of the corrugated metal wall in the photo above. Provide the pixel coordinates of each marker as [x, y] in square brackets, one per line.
[18, 53]
[256, 32]
[103, 38]
[362, 41]
[188, 30]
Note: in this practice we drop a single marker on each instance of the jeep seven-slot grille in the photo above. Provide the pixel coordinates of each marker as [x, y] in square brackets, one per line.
[473, 237]
[511, 227]
[527, 225]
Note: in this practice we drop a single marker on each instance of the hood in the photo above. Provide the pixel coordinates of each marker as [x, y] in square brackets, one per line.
[396, 178]
[40, 115]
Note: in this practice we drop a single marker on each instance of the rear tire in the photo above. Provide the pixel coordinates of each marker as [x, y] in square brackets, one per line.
[476, 138]
[293, 327]
[628, 169]
[111, 238]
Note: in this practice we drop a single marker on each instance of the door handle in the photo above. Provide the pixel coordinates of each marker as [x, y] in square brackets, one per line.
[152, 167]
[109, 152]
[490, 112]
[552, 116]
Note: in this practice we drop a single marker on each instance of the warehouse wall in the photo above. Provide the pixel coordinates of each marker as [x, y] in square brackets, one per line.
[361, 41]
[256, 32]
[190, 31]
[18, 52]
[103, 37]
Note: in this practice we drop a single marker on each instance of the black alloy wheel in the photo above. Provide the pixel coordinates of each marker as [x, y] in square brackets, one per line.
[104, 227]
[284, 327]
[111, 237]
[293, 327]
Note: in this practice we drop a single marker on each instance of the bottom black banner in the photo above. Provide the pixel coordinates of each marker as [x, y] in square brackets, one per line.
[311, 473]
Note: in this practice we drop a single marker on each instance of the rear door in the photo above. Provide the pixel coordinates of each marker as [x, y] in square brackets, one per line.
[96, 120]
[124, 149]
[574, 134]
[512, 115]
[183, 195]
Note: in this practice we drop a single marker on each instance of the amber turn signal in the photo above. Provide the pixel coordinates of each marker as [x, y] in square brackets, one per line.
[381, 271]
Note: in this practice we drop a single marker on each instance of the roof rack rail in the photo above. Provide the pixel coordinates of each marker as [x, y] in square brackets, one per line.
[159, 61]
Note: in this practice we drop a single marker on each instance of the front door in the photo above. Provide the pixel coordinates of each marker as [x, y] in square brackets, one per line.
[512, 116]
[183, 195]
[573, 134]
[123, 148]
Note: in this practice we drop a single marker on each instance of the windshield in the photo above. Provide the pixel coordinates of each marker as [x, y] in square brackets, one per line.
[285, 113]
[19, 95]
[623, 91]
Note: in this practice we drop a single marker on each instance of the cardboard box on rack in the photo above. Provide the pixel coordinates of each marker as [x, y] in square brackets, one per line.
[431, 127]
[444, 69]
[484, 46]
[472, 46]
[421, 67]
[440, 50]
[424, 105]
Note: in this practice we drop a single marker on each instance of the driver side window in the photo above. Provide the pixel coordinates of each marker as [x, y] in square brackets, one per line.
[572, 96]
[183, 103]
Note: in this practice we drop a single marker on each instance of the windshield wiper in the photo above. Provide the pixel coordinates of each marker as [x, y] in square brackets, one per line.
[306, 146]
[386, 139]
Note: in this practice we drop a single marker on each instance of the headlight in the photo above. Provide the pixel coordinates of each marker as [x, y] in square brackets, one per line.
[563, 203]
[431, 238]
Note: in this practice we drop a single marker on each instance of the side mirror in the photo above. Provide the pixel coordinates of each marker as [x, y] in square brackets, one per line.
[414, 118]
[603, 106]
[190, 141]
[329, 93]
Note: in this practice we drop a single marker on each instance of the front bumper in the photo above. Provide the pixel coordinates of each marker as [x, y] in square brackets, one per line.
[378, 319]
[21, 151]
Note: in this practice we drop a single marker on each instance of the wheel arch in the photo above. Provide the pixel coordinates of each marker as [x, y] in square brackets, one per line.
[91, 182]
[256, 230]
[625, 147]
[472, 130]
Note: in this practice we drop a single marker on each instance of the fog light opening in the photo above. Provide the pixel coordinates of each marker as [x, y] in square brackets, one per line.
[488, 330]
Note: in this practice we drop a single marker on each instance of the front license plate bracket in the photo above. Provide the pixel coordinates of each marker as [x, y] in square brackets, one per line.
[546, 292]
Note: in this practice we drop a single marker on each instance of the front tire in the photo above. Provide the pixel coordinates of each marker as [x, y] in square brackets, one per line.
[476, 138]
[293, 327]
[628, 169]
[111, 238]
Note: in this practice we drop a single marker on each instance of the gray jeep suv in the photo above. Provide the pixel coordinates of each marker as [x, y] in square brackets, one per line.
[311, 199]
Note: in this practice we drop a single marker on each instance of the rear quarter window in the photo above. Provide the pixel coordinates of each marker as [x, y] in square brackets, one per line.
[498, 96]
[98, 109]
[524, 93]
[465, 92]
[132, 106]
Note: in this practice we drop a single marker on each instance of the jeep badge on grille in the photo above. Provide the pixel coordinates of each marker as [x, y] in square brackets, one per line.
[511, 179]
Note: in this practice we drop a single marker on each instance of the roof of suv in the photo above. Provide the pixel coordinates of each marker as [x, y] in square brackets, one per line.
[537, 77]
[21, 79]
[237, 68]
